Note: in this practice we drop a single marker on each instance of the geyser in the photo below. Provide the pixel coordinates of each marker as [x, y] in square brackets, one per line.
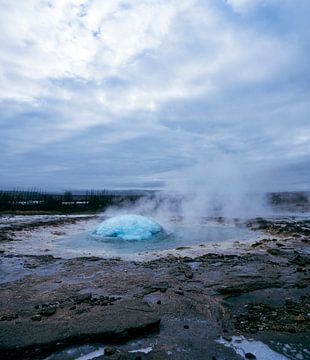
[128, 227]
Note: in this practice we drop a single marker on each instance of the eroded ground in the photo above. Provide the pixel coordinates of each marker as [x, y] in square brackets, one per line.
[173, 307]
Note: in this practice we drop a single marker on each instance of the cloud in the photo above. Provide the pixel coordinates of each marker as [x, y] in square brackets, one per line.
[136, 92]
[244, 5]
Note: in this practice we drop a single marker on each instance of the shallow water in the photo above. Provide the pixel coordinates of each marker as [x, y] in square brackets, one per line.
[260, 350]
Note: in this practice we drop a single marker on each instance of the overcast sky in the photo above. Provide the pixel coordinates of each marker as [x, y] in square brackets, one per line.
[142, 93]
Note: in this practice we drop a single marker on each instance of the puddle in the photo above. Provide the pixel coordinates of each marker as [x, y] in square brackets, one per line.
[142, 350]
[14, 269]
[83, 352]
[243, 346]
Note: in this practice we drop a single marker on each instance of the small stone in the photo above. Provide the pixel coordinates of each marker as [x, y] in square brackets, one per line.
[47, 311]
[189, 274]
[36, 317]
[250, 356]
[158, 302]
[109, 350]
[301, 285]
[81, 311]
[299, 318]
[83, 297]
[186, 327]
[289, 301]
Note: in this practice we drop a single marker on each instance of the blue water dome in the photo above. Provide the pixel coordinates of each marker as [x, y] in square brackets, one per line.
[128, 227]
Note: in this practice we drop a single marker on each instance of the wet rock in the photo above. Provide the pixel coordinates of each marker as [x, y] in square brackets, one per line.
[124, 320]
[291, 317]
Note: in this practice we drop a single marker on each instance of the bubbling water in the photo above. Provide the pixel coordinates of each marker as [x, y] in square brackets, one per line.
[128, 227]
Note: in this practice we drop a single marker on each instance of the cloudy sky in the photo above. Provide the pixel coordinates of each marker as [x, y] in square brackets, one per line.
[142, 93]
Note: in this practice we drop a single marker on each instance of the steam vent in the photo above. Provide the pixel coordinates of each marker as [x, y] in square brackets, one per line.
[128, 227]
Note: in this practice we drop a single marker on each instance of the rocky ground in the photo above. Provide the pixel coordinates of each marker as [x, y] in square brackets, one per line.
[174, 307]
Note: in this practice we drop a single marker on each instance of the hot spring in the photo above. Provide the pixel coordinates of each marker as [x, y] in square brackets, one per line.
[136, 234]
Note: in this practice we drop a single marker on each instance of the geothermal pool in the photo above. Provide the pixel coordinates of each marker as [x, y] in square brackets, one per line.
[176, 234]
[172, 235]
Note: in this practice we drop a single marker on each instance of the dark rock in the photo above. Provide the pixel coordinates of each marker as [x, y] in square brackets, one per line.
[48, 310]
[275, 252]
[82, 311]
[9, 317]
[160, 286]
[289, 302]
[79, 298]
[250, 356]
[189, 274]
[36, 317]
[186, 327]
[179, 292]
